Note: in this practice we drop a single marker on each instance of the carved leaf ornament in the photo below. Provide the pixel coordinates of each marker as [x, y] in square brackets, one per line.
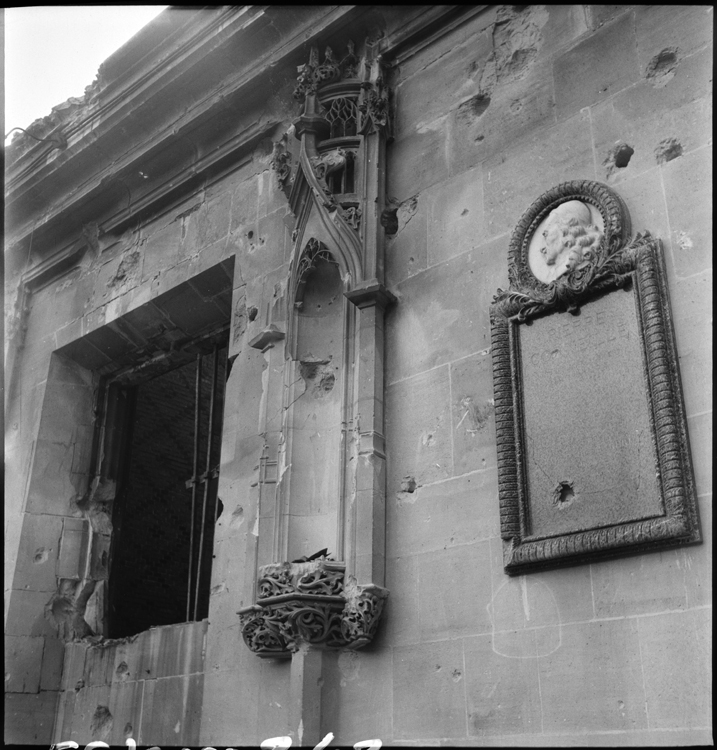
[550, 271]
[308, 603]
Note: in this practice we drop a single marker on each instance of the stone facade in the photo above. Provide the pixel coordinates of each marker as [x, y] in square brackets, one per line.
[226, 175]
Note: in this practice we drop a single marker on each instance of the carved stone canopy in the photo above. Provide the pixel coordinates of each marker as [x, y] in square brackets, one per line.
[312, 603]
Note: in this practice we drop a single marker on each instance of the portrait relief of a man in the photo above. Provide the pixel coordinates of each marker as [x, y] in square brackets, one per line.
[563, 241]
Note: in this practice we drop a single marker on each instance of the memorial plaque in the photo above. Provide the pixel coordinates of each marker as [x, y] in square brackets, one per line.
[593, 457]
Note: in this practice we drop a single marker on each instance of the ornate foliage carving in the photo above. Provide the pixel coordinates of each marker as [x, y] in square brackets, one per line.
[362, 613]
[615, 262]
[307, 603]
[281, 163]
[313, 74]
[373, 106]
[328, 162]
[352, 214]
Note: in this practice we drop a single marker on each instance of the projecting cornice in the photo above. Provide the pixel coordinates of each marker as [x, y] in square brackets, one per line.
[187, 98]
[169, 118]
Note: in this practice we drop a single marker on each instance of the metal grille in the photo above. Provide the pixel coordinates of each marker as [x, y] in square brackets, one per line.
[167, 505]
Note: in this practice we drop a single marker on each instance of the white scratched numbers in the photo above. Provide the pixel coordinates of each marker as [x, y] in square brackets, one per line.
[273, 743]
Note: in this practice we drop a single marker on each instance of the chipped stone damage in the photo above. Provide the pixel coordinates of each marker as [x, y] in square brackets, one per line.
[667, 150]
[517, 39]
[482, 124]
[62, 118]
[618, 157]
[662, 68]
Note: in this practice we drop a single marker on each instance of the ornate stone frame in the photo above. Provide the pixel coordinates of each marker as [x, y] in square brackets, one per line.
[335, 219]
[618, 262]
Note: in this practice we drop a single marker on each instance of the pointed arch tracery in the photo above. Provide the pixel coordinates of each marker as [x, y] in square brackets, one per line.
[327, 444]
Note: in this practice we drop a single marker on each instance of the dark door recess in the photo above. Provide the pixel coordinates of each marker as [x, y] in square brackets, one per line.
[162, 443]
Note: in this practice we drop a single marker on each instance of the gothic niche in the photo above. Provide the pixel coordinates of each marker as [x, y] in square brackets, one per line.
[317, 403]
[327, 490]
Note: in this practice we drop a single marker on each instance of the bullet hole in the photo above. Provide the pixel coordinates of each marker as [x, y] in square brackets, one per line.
[464, 212]
[250, 234]
[62, 608]
[457, 675]
[128, 729]
[122, 671]
[327, 381]
[661, 69]
[473, 108]
[389, 220]
[618, 157]
[408, 484]
[79, 685]
[623, 156]
[318, 376]
[40, 556]
[407, 494]
[308, 370]
[252, 313]
[237, 518]
[126, 269]
[428, 440]
[515, 106]
[667, 150]
[684, 242]
[564, 494]
[479, 138]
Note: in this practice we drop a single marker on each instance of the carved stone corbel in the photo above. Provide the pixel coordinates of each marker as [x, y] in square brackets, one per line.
[310, 603]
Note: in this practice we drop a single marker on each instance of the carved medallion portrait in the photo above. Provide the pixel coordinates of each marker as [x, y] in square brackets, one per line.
[563, 241]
